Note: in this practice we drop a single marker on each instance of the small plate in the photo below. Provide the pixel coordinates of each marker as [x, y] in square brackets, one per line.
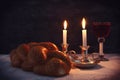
[78, 61]
[85, 65]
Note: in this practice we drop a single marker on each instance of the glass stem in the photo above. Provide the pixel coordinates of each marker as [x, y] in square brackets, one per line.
[101, 48]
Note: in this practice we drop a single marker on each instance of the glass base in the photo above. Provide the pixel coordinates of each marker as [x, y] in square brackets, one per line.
[102, 58]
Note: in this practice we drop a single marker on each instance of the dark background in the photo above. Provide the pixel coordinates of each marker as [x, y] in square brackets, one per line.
[38, 21]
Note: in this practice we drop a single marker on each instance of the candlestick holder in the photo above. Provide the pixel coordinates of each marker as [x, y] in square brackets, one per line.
[84, 51]
[64, 48]
[85, 61]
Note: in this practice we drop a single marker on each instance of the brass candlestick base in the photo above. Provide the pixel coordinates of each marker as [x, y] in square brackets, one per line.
[84, 51]
[65, 48]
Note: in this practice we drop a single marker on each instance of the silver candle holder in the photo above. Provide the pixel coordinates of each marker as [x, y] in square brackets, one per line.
[64, 48]
[84, 52]
[76, 60]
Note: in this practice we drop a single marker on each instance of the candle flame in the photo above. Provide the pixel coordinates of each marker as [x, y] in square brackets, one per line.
[65, 24]
[83, 23]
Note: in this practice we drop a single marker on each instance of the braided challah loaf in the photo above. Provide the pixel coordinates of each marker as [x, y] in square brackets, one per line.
[22, 51]
[27, 65]
[49, 45]
[15, 59]
[42, 58]
[38, 54]
[59, 55]
[57, 67]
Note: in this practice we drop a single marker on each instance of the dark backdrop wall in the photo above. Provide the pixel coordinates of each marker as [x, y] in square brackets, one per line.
[38, 21]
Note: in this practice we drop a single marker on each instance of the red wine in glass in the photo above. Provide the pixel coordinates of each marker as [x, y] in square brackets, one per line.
[101, 30]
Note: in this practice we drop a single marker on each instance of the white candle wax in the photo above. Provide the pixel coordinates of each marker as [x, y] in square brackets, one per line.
[64, 36]
[84, 33]
[65, 32]
[84, 37]
[101, 48]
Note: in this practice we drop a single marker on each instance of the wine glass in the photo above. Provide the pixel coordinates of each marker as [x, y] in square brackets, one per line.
[101, 30]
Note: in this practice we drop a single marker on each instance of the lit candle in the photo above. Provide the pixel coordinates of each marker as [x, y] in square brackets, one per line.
[65, 32]
[84, 33]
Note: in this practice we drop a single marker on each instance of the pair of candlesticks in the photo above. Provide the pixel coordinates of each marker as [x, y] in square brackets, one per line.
[86, 60]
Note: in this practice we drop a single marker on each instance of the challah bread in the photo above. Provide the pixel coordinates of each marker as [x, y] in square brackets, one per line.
[49, 45]
[32, 44]
[27, 66]
[22, 51]
[42, 58]
[58, 64]
[59, 55]
[37, 54]
[40, 69]
[15, 60]
[56, 67]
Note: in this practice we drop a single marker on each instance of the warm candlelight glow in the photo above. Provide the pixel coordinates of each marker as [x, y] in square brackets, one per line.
[65, 32]
[84, 33]
[65, 24]
[83, 23]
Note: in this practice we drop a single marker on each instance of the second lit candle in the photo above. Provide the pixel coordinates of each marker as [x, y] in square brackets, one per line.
[84, 33]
